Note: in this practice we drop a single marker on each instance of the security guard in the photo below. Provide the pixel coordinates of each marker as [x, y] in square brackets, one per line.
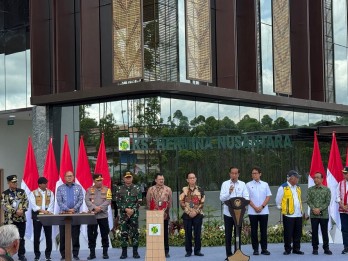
[98, 198]
[42, 202]
[128, 198]
[15, 203]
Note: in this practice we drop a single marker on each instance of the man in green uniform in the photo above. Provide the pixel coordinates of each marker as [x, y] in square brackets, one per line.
[128, 198]
[318, 199]
[14, 203]
[98, 198]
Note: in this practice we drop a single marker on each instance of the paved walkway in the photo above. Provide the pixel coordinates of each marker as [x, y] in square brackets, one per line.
[218, 254]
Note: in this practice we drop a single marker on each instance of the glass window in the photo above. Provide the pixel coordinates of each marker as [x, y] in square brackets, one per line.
[301, 118]
[267, 116]
[2, 81]
[27, 52]
[230, 111]
[341, 91]
[285, 119]
[339, 9]
[165, 109]
[182, 43]
[314, 118]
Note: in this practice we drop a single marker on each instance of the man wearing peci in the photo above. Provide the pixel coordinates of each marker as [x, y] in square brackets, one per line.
[70, 199]
[230, 189]
[14, 203]
[98, 198]
[260, 195]
[289, 201]
[42, 202]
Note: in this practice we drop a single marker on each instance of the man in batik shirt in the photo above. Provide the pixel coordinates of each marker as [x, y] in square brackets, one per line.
[192, 201]
[159, 197]
[14, 203]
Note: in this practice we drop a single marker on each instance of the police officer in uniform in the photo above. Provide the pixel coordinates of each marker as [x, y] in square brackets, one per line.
[128, 198]
[15, 203]
[98, 198]
[42, 202]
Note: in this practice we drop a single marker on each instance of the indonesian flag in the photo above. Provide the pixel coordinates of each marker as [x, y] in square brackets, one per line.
[84, 178]
[102, 167]
[334, 176]
[50, 169]
[29, 184]
[347, 157]
[316, 164]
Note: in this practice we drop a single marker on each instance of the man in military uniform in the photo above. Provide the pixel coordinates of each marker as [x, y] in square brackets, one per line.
[15, 203]
[42, 202]
[98, 198]
[128, 198]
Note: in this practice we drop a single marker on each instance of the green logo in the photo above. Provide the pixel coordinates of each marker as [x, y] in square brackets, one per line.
[154, 230]
[124, 145]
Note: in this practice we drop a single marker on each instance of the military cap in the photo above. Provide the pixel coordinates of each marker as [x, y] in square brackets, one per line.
[345, 169]
[42, 180]
[293, 173]
[12, 178]
[127, 174]
[97, 177]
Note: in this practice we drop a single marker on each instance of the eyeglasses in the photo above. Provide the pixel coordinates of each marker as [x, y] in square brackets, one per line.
[69, 176]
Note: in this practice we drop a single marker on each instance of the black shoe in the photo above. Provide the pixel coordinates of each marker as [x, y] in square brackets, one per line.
[256, 252]
[136, 255]
[167, 255]
[90, 257]
[199, 254]
[327, 252]
[315, 252]
[297, 252]
[188, 254]
[62, 258]
[22, 258]
[76, 258]
[345, 251]
[105, 256]
[265, 252]
[48, 259]
[37, 259]
[286, 253]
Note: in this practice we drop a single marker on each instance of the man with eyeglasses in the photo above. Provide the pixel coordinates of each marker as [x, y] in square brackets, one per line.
[9, 241]
[14, 203]
[342, 199]
[318, 199]
[70, 199]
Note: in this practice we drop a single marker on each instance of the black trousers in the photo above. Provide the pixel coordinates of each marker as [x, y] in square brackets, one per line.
[37, 234]
[255, 220]
[92, 232]
[292, 232]
[196, 223]
[166, 239]
[75, 238]
[21, 230]
[229, 226]
[323, 222]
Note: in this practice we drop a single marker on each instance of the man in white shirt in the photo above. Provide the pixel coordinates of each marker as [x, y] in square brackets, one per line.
[260, 194]
[289, 201]
[42, 202]
[230, 189]
[342, 200]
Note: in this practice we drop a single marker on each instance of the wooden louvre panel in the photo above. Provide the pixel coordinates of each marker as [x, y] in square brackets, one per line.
[281, 47]
[127, 40]
[198, 40]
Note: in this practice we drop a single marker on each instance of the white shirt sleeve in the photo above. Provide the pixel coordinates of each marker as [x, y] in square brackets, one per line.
[245, 192]
[224, 193]
[279, 197]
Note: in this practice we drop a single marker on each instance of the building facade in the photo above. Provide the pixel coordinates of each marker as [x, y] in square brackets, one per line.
[197, 85]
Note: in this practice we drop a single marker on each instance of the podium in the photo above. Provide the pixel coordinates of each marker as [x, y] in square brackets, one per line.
[67, 220]
[236, 207]
[154, 235]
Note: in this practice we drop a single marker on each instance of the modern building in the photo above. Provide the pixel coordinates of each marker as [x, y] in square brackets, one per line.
[205, 84]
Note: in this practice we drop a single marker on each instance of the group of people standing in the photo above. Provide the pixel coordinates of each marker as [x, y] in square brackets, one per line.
[128, 197]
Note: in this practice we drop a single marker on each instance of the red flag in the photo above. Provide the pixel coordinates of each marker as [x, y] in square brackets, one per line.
[316, 164]
[30, 173]
[334, 176]
[83, 171]
[347, 156]
[50, 169]
[65, 161]
[102, 166]
[29, 182]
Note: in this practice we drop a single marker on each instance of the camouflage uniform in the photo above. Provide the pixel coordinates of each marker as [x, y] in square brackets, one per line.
[129, 197]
